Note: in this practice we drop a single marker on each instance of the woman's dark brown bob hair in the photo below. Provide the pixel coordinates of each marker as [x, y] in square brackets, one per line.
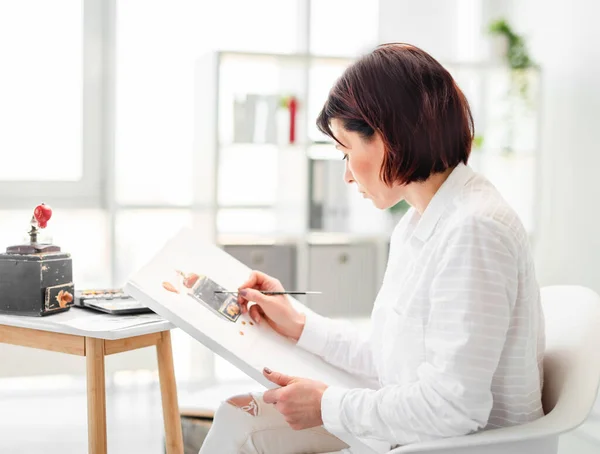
[405, 95]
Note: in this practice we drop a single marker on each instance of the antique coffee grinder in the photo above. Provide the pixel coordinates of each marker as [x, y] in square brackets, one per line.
[35, 278]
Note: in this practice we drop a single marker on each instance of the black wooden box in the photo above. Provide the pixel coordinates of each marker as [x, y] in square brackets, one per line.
[36, 284]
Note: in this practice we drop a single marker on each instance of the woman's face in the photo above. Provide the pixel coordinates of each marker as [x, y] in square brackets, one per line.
[364, 159]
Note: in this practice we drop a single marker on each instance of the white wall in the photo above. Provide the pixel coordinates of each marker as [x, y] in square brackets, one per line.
[421, 23]
[565, 40]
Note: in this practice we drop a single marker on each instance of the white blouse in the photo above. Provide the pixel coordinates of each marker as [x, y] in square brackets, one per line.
[457, 330]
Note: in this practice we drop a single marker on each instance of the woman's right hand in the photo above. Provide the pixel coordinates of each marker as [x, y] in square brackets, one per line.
[276, 310]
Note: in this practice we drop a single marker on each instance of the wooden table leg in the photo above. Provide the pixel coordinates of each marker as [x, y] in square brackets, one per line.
[168, 391]
[96, 395]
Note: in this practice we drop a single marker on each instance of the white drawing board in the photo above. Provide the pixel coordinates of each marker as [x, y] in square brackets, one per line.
[250, 347]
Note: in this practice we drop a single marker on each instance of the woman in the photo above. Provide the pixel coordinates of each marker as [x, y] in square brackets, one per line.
[457, 333]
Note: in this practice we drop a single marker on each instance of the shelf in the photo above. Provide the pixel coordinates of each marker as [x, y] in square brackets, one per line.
[251, 147]
[241, 239]
[245, 206]
[339, 238]
[309, 238]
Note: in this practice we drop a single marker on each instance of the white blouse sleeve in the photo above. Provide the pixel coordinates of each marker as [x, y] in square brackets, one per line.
[339, 343]
[471, 299]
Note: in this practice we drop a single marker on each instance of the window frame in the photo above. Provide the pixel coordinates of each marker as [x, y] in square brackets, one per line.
[98, 81]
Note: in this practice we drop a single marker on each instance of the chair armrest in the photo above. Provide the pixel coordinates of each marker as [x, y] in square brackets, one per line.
[551, 425]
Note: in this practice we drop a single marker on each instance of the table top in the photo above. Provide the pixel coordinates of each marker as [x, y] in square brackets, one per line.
[85, 322]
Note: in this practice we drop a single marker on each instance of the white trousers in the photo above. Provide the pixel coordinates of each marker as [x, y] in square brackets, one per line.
[259, 428]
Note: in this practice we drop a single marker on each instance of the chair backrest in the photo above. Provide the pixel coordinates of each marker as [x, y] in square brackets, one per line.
[572, 358]
[571, 379]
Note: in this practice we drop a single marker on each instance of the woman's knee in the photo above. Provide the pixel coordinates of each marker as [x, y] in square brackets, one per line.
[236, 410]
[245, 402]
[232, 423]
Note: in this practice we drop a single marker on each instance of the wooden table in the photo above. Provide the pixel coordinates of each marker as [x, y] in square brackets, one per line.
[94, 335]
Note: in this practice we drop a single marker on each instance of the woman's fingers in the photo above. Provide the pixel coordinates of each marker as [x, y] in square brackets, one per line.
[256, 296]
[261, 281]
[256, 313]
[255, 280]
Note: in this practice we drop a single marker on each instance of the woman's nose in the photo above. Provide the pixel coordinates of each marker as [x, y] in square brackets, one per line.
[348, 177]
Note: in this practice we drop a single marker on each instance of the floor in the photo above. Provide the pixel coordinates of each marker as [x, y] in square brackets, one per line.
[55, 422]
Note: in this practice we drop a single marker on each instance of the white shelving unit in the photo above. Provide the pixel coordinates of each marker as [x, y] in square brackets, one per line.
[272, 168]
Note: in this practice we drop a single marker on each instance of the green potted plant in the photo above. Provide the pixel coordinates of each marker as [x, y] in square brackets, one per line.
[516, 57]
[516, 54]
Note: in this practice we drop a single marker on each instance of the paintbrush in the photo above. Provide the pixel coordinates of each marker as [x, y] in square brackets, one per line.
[271, 293]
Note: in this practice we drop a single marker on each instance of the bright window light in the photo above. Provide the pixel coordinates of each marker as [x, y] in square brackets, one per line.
[41, 86]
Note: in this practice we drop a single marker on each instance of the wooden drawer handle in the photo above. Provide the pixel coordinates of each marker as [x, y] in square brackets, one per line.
[343, 258]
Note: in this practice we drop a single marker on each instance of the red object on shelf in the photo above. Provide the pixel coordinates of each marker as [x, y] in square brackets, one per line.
[293, 106]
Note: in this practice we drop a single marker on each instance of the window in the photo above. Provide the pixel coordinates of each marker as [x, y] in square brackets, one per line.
[41, 88]
[42, 145]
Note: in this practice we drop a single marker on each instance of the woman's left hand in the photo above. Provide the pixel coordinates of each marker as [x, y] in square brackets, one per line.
[298, 399]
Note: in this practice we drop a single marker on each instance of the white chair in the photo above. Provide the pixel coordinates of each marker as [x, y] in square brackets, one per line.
[571, 378]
